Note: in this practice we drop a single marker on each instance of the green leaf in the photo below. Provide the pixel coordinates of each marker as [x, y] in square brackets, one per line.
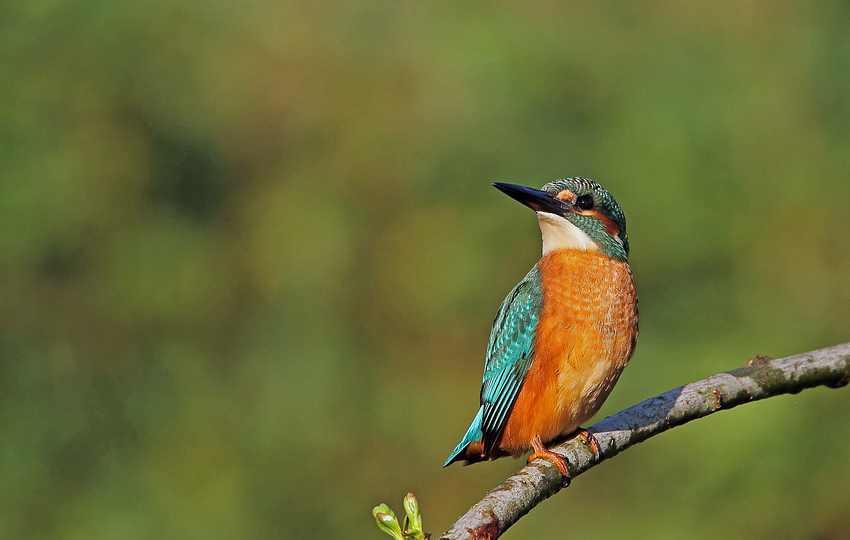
[384, 509]
[387, 522]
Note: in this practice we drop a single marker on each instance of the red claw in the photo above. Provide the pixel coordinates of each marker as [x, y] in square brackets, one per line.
[541, 452]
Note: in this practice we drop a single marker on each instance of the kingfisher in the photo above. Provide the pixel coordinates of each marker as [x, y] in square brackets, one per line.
[563, 335]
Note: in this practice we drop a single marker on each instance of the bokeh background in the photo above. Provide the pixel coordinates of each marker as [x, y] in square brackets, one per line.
[249, 256]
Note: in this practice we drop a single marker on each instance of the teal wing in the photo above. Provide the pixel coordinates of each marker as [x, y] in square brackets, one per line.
[509, 356]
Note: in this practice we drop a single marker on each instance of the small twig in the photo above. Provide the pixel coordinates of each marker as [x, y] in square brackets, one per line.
[764, 378]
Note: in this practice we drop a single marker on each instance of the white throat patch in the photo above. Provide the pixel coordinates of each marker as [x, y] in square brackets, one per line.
[559, 233]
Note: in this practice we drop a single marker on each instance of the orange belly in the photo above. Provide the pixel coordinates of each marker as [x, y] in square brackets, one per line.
[586, 335]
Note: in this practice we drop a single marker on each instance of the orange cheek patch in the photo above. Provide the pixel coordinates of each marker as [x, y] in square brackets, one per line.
[610, 227]
[567, 195]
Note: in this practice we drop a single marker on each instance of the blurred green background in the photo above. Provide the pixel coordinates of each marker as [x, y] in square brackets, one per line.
[250, 255]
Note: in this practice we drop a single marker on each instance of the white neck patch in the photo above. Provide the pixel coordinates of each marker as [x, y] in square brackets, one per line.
[559, 233]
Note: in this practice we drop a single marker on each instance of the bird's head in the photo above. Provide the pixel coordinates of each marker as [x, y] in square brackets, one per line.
[575, 213]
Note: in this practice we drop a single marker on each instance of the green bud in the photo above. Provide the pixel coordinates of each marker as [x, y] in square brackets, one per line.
[411, 508]
[388, 523]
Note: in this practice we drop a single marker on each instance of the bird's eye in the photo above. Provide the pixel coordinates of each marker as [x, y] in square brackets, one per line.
[585, 202]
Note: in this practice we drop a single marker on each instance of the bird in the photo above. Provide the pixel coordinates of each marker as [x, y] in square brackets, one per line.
[563, 335]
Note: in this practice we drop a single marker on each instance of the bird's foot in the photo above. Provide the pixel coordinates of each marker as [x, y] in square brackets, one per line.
[541, 452]
[594, 444]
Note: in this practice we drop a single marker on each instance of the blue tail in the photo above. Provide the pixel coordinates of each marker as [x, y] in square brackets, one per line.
[473, 434]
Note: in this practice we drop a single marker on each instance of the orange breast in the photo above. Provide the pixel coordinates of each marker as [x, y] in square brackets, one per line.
[586, 335]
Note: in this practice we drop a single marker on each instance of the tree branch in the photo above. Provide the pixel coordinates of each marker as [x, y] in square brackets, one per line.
[762, 378]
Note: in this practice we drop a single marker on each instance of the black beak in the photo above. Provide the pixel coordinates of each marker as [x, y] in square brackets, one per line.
[536, 199]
